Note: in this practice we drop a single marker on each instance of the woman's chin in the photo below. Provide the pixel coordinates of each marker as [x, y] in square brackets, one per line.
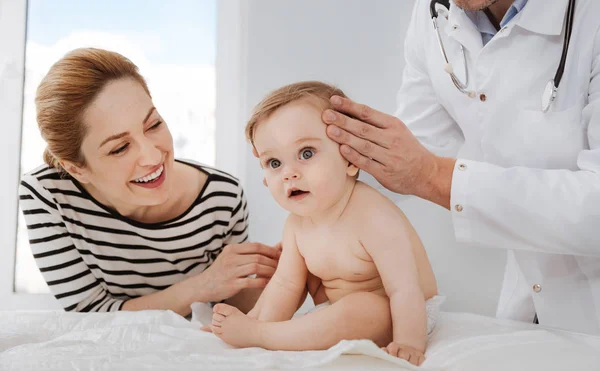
[152, 196]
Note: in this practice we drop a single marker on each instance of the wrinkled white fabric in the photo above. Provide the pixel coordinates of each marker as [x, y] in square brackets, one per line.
[162, 340]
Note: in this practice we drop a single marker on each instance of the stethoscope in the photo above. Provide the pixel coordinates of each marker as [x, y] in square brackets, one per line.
[549, 94]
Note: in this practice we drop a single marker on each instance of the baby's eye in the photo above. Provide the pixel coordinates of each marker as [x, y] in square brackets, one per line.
[307, 154]
[274, 163]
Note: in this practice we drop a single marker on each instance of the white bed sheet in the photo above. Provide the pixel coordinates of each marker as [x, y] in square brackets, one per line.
[162, 340]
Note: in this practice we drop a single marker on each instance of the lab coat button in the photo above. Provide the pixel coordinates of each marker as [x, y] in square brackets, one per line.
[458, 208]
[537, 288]
[462, 167]
[482, 97]
[455, 27]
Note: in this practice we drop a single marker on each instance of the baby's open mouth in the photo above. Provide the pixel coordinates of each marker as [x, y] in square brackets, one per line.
[297, 193]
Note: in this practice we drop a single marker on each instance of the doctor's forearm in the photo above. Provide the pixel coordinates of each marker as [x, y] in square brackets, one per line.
[542, 210]
[437, 189]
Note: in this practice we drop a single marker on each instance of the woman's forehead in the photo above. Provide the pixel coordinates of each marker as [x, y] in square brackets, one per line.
[120, 104]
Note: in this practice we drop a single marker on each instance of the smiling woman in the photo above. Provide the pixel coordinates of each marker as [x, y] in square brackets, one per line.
[114, 220]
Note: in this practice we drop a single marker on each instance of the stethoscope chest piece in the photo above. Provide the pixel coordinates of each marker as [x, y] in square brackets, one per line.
[549, 95]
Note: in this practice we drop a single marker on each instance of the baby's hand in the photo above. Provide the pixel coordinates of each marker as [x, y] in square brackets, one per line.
[412, 355]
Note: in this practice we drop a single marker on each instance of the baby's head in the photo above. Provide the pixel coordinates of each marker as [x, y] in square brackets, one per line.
[303, 168]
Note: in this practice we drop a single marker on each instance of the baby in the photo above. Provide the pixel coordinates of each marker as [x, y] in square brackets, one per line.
[346, 244]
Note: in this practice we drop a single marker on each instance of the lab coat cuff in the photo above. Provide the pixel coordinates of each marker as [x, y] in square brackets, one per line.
[459, 203]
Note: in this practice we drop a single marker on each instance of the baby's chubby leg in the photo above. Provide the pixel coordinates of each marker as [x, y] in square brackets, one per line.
[361, 315]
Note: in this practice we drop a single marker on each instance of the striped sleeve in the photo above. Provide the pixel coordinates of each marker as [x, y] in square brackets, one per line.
[70, 280]
[238, 223]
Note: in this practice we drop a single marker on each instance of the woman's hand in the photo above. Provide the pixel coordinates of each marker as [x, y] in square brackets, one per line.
[383, 146]
[229, 273]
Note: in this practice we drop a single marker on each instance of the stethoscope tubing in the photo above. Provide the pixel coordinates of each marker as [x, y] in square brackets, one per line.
[463, 87]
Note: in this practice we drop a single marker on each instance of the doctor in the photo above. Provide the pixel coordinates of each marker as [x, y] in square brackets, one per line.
[517, 169]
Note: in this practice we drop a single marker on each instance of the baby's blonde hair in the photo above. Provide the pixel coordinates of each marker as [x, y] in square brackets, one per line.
[316, 91]
[312, 91]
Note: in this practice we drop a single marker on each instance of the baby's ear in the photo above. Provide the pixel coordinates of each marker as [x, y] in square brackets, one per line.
[352, 170]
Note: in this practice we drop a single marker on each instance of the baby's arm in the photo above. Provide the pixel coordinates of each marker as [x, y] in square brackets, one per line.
[281, 298]
[387, 241]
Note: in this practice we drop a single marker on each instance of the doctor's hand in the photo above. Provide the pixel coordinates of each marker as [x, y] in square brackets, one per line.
[383, 146]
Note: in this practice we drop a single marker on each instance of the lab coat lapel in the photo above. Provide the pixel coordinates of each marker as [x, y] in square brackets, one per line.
[461, 28]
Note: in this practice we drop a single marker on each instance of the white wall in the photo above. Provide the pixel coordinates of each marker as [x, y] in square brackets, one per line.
[263, 44]
[356, 45]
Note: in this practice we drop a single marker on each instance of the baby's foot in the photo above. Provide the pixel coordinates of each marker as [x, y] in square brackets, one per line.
[234, 327]
[412, 355]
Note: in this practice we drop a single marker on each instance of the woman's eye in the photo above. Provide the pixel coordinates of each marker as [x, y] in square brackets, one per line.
[307, 154]
[155, 125]
[274, 164]
[120, 149]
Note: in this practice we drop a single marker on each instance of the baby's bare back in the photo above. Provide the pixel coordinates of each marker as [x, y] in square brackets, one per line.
[339, 262]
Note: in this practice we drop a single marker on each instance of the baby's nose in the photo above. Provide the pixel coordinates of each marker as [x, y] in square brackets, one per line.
[291, 175]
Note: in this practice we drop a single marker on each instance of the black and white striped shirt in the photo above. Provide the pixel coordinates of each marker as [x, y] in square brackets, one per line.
[94, 259]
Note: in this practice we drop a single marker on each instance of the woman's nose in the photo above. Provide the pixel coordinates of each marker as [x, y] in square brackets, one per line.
[149, 155]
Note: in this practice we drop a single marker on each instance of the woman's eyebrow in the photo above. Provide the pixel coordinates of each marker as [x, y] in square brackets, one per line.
[113, 137]
[149, 113]
[121, 135]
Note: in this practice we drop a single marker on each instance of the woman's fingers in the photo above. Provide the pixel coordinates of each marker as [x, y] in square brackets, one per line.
[256, 259]
[257, 248]
[252, 283]
[261, 270]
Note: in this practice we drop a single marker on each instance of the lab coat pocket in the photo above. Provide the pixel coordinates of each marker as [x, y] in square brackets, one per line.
[553, 139]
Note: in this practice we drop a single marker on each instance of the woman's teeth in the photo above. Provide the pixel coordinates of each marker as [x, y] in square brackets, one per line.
[151, 177]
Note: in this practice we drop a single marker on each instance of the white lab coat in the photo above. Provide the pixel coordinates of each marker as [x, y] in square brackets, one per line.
[525, 180]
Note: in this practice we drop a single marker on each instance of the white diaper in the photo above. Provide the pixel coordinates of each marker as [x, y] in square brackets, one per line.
[432, 306]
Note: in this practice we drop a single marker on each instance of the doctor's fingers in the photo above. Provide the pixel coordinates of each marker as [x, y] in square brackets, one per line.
[367, 164]
[365, 147]
[362, 112]
[337, 123]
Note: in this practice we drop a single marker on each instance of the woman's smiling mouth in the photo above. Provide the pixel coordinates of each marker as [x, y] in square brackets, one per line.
[151, 180]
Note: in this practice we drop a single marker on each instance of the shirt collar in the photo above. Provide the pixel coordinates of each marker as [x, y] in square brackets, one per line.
[538, 16]
[484, 25]
[519, 5]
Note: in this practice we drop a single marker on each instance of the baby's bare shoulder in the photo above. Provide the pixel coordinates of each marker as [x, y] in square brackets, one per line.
[291, 226]
[367, 201]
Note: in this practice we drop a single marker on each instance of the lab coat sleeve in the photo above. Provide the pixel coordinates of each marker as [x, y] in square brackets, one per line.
[417, 103]
[551, 211]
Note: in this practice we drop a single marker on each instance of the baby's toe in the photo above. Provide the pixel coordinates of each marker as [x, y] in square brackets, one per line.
[224, 309]
[218, 317]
